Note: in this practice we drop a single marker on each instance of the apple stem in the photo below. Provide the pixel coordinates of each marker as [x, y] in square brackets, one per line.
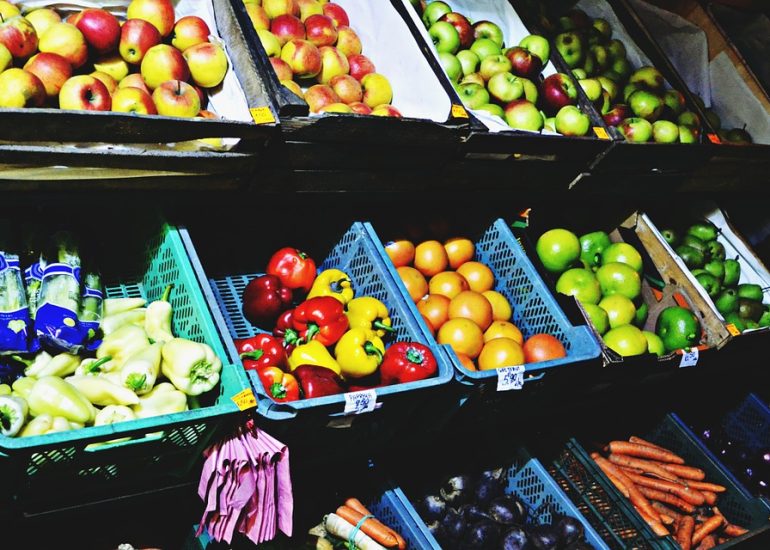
[178, 87]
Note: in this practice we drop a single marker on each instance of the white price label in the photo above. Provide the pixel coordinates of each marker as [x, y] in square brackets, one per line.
[689, 358]
[359, 402]
[510, 378]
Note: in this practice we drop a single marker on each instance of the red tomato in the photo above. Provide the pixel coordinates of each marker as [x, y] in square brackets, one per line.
[543, 347]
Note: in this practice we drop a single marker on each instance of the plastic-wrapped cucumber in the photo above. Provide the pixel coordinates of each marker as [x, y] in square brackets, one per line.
[56, 321]
[91, 309]
[14, 313]
[33, 277]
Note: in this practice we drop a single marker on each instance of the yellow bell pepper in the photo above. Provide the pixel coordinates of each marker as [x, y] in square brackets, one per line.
[369, 313]
[313, 353]
[359, 353]
[334, 283]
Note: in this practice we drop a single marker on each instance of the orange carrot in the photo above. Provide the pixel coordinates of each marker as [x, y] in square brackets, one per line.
[686, 472]
[645, 465]
[632, 470]
[684, 533]
[708, 543]
[634, 494]
[640, 441]
[663, 509]
[711, 498]
[643, 451]
[379, 533]
[685, 493]
[617, 483]
[356, 505]
[730, 530]
[706, 528]
[667, 498]
[657, 526]
[713, 487]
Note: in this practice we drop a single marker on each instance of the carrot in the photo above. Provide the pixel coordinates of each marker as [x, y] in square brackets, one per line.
[712, 487]
[665, 519]
[634, 494]
[618, 484]
[730, 530]
[338, 527]
[640, 441]
[708, 543]
[711, 498]
[706, 528]
[356, 505]
[686, 472]
[663, 509]
[684, 533]
[667, 498]
[685, 493]
[645, 465]
[371, 527]
[643, 451]
[632, 470]
[657, 526]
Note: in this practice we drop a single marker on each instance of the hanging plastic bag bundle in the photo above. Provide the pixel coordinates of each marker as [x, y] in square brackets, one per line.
[14, 313]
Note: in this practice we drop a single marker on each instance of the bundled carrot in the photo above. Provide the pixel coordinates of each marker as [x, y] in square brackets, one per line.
[644, 451]
[357, 506]
[376, 530]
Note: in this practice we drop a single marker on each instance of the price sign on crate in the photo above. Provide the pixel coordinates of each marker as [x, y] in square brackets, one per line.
[359, 402]
[689, 358]
[510, 378]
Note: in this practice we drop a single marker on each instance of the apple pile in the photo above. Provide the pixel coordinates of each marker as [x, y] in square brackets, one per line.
[502, 81]
[634, 101]
[732, 136]
[310, 44]
[150, 64]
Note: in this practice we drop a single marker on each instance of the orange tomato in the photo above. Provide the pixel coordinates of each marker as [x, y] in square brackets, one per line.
[415, 283]
[503, 329]
[463, 335]
[480, 278]
[400, 252]
[466, 361]
[435, 308]
[471, 305]
[447, 283]
[430, 258]
[501, 308]
[543, 347]
[501, 352]
[459, 250]
[429, 325]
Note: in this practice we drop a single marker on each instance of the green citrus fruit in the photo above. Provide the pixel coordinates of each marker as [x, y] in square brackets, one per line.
[557, 249]
[620, 310]
[598, 317]
[678, 328]
[580, 283]
[626, 340]
[623, 253]
[618, 278]
[654, 343]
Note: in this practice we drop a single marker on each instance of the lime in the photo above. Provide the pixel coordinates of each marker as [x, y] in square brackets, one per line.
[598, 317]
[618, 278]
[620, 310]
[591, 247]
[626, 340]
[580, 283]
[641, 314]
[678, 328]
[654, 343]
[557, 249]
[623, 253]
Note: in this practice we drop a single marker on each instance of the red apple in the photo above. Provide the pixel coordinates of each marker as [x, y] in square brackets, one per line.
[310, 7]
[360, 66]
[303, 58]
[158, 12]
[19, 36]
[337, 14]
[84, 93]
[360, 108]
[319, 96]
[52, 70]
[134, 81]
[20, 88]
[281, 68]
[137, 36]
[463, 27]
[320, 30]
[110, 83]
[287, 27]
[258, 16]
[162, 63]
[386, 110]
[333, 63]
[348, 42]
[524, 63]
[616, 115]
[189, 31]
[66, 40]
[133, 100]
[99, 27]
[274, 8]
[347, 88]
[559, 91]
[176, 98]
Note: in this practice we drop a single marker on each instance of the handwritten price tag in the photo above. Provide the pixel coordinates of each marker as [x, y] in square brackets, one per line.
[244, 400]
[689, 358]
[359, 402]
[510, 378]
[262, 115]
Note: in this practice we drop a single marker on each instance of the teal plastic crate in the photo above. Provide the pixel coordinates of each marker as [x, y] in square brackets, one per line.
[58, 469]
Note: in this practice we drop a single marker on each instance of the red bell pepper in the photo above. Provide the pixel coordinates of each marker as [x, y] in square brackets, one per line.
[321, 318]
[294, 268]
[407, 362]
[279, 385]
[262, 350]
[264, 299]
[284, 330]
[318, 381]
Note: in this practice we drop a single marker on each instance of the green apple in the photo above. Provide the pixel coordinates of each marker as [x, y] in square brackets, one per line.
[604, 103]
[622, 67]
[473, 78]
[592, 88]
[602, 27]
[505, 87]
[647, 77]
[646, 105]
[492, 109]
[589, 64]
[473, 95]
[612, 75]
[571, 121]
[713, 119]
[609, 85]
[602, 58]
[636, 130]
[531, 92]
[484, 47]
[488, 30]
[579, 73]
[445, 37]
[674, 100]
[452, 66]
[490, 66]
[469, 61]
[550, 124]
[570, 46]
[617, 49]
[629, 89]
[687, 134]
[523, 115]
[689, 119]
[538, 45]
[665, 131]
[434, 11]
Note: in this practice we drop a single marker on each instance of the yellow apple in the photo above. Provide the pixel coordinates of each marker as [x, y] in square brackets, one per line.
[162, 63]
[158, 12]
[112, 65]
[208, 64]
[335, 108]
[67, 41]
[20, 88]
[133, 100]
[377, 90]
[110, 83]
[293, 86]
[176, 98]
[5, 58]
[333, 63]
[43, 18]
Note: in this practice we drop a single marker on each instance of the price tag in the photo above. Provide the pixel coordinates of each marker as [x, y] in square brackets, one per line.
[458, 111]
[244, 400]
[601, 133]
[689, 358]
[510, 378]
[359, 402]
[713, 138]
[262, 115]
[732, 329]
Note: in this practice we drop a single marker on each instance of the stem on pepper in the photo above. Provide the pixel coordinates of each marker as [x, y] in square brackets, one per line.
[312, 330]
[336, 286]
[278, 390]
[371, 349]
[166, 293]
[415, 356]
[378, 324]
[254, 355]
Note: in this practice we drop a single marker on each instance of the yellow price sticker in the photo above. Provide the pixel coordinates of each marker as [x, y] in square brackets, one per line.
[713, 138]
[601, 133]
[262, 115]
[732, 329]
[244, 400]
[458, 111]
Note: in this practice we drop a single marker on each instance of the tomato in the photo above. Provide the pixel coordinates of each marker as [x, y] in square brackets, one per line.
[430, 258]
[501, 308]
[471, 305]
[435, 308]
[503, 329]
[429, 325]
[459, 250]
[466, 361]
[543, 347]
[447, 283]
[415, 283]
[501, 352]
[480, 278]
[463, 335]
[400, 252]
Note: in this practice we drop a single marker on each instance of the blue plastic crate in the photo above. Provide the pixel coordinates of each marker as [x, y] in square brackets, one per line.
[528, 480]
[534, 308]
